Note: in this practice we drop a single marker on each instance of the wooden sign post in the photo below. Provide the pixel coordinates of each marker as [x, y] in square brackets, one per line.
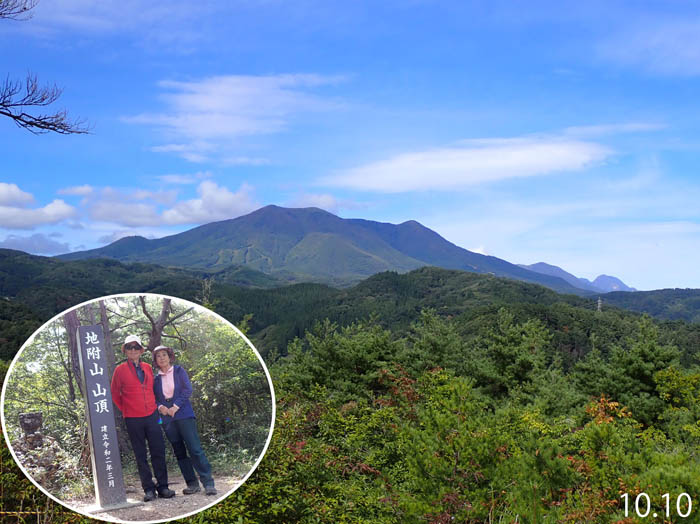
[104, 446]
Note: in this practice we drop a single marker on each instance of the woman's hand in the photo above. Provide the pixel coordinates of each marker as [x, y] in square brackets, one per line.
[162, 410]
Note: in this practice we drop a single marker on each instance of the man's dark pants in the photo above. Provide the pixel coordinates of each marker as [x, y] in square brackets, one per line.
[142, 429]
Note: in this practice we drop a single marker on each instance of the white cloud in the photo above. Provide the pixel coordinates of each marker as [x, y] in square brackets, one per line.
[648, 174]
[37, 244]
[76, 190]
[117, 195]
[12, 195]
[214, 203]
[197, 151]
[161, 197]
[481, 250]
[184, 179]
[662, 45]
[24, 218]
[141, 208]
[210, 114]
[612, 129]
[471, 162]
[164, 21]
[323, 201]
[245, 161]
[125, 213]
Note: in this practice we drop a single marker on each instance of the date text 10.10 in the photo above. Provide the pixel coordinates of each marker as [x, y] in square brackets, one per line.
[642, 505]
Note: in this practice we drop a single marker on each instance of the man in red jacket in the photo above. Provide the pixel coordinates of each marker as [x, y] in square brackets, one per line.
[132, 392]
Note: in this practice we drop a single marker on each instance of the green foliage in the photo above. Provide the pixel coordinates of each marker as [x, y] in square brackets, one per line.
[669, 304]
[231, 393]
[348, 361]
[435, 447]
[435, 397]
[506, 360]
[39, 382]
[17, 323]
[432, 342]
[633, 370]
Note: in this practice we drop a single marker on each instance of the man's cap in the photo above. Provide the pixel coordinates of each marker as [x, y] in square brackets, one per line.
[133, 338]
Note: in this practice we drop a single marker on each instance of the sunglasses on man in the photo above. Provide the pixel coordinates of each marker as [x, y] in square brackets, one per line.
[132, 346]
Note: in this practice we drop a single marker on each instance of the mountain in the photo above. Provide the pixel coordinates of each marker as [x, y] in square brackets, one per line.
[602, 284]
[312, 245]
[608, 283]
[555, 271]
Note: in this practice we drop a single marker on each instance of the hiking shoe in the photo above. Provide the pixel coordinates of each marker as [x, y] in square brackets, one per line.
[210, 490]
[191, 488]
[149, 496]
[166, 493]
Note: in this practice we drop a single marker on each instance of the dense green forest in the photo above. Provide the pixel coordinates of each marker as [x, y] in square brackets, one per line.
[441, 396]
[670, 304]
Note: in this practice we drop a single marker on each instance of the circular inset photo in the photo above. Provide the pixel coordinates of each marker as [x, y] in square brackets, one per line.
[138, 408]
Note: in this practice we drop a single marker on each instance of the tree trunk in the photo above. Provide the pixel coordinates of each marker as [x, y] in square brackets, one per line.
[70, 320]
[157, 324]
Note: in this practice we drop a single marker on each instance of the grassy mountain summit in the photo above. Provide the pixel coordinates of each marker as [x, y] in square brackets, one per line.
[310, 244]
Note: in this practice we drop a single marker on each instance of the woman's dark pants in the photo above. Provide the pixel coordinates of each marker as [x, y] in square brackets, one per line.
[182, 434]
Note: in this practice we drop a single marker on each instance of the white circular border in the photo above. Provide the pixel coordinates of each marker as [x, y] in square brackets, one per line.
[198, 307]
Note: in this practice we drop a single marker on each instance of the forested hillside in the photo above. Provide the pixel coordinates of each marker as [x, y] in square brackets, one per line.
[670, 304]
[442, 396]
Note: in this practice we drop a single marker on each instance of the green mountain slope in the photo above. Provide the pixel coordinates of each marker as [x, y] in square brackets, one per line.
[312, 245]
[36, 288]
[48, 286]
[670, 304]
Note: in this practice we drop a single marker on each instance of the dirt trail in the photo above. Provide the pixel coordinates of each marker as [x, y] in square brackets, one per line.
[160, 509]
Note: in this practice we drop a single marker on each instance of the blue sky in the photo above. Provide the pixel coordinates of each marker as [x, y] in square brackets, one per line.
[560, 132]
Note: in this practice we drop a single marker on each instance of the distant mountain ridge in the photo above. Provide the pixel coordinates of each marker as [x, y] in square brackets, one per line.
[310, 244]
[609, 284]
[602, 283]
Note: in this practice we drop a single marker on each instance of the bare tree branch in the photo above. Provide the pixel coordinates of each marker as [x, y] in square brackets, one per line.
[178, 316]
[16, 9]
[117, 328]
[16, 98]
